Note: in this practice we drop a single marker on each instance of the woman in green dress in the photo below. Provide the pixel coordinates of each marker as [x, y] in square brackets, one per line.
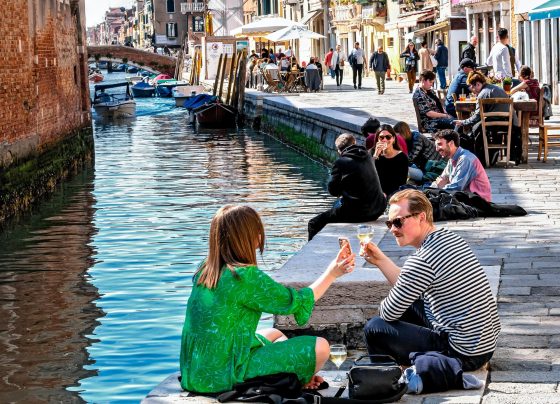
[220, 345]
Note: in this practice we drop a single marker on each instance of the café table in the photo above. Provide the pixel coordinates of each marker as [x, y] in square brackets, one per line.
[294, 81]
[523, 108]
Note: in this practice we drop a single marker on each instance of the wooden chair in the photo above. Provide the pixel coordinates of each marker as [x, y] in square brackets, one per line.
[502, 138]
[544, 129]
[421, 128]
[273, 85]
[442, 95]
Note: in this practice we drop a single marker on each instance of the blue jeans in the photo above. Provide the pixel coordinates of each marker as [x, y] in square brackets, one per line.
[441, 76]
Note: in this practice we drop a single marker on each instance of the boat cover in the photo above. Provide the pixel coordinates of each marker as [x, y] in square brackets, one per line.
[198, 100]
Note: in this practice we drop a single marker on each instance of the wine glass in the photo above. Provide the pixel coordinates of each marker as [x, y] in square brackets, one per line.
[365, 233]
[338, 356]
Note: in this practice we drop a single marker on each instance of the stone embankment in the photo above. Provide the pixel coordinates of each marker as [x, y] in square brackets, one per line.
[520, 255]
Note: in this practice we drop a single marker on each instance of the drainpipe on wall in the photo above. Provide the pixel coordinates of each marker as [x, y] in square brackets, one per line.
[326, 30]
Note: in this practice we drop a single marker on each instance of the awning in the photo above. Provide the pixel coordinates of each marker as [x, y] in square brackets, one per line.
[263, 26]
[410, 20]
[550, 9]
[435, 27]
[310, 16]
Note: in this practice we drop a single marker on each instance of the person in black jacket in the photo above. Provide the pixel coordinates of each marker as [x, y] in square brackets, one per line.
[470, 50]
[354, 179]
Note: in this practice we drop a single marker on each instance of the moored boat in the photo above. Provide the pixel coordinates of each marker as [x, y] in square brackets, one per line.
[117, 104]
[96, 77]
[143, 90]
[216, 115]
[182, 93]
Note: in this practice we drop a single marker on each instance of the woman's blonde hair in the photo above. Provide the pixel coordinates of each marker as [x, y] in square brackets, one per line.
[476, 77]
[417, 202]
[235, 234]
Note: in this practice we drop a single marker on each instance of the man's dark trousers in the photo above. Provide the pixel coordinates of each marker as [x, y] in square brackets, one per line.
[357, 69]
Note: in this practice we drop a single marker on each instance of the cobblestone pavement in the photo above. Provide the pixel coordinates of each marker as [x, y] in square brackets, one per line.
[526, 365]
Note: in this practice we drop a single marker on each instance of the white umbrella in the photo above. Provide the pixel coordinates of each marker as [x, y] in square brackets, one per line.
[264, 26]
[293, 32]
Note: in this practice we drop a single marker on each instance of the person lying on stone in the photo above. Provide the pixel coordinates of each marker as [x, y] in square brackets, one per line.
[440, 300]
[220, 344]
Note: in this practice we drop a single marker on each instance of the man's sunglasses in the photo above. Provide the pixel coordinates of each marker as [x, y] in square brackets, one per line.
[398, 222]
[387, 137]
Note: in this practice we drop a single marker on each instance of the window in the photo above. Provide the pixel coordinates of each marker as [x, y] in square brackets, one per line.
[390, 42]
[198, 24]
[170, 6]
[171, 29]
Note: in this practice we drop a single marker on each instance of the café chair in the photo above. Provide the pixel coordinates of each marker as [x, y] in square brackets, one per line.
[546, 139]
[498, 124]
[273, 85]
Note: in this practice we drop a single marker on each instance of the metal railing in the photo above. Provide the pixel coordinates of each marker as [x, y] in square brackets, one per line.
[197, 7]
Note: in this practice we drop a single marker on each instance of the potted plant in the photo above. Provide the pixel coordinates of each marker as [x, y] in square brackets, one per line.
[506, 83]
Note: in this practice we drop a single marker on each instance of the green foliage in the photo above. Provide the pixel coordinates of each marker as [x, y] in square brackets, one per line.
[507, 81]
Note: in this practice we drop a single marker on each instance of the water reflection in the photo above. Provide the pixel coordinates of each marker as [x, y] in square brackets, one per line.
[138, 228]
[47, 307]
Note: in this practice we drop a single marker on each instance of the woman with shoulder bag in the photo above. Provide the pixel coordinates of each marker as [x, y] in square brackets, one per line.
[411, 56]
[337, 64]
[220, 345]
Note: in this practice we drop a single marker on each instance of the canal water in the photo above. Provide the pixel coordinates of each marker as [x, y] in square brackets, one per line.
[94, 283]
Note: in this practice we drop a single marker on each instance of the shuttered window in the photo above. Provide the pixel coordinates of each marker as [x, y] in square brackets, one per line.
[171, 29]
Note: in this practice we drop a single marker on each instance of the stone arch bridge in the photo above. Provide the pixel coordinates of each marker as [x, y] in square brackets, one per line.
[147, 60]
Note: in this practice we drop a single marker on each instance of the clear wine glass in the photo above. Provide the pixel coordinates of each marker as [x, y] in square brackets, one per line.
[338, 356]
[365, 233]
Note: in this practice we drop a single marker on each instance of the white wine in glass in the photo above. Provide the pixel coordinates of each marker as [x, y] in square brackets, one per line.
[365, 233]
[338, 356]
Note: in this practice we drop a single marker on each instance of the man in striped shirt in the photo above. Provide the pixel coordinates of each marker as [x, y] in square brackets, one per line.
[440, 299]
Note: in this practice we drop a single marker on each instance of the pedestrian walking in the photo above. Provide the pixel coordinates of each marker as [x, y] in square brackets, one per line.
[379, 63]
[425, 57]
[337, 64]
[356, 60]
[442, 57]
[411, 56]
[328, 59]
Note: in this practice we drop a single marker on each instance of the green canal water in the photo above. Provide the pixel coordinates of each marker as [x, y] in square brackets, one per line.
[94, 284]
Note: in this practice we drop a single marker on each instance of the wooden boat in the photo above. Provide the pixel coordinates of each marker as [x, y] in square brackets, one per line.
[143, 90]
[182, 93]
[117, 104]
[164, 88]
[215, 115]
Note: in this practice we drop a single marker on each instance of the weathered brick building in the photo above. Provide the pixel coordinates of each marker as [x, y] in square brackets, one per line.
[45, 120]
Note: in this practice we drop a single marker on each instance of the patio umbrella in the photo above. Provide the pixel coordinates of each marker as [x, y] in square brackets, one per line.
[263, 26]
[293, 32]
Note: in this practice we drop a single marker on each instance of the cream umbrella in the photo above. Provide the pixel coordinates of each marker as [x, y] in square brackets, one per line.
[264, 26]
[293, 32]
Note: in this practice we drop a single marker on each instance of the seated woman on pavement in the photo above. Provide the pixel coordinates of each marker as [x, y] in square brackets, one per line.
[370, 129]
[528, 84]
[391, 163]
[420, 150]
[432, 115]
[220, 344]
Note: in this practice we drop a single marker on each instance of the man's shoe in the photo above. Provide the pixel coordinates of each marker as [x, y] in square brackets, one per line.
[359, 87]
[355, 87]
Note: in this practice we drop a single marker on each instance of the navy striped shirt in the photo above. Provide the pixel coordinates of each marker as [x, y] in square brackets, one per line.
[457, 296]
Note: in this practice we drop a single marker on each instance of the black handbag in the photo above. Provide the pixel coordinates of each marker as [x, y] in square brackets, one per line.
[376, 378]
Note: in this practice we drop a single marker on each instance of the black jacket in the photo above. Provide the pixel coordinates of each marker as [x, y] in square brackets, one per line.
[469, 53]
[354, 178]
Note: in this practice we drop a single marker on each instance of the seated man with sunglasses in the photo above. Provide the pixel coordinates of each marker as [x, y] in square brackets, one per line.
[440, 299]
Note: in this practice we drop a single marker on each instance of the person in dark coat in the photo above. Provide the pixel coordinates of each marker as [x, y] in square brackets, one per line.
[470, 50]
[442, 57]
[410, 55]
[379, 63]
[354, 179]
[459, 86]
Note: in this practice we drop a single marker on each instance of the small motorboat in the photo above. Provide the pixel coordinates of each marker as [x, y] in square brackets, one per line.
[96, 77]
[132, 69]
[215, 115]
[143, 90]
[182, 93]
[118, 103]
[134, 79]
[164, 88]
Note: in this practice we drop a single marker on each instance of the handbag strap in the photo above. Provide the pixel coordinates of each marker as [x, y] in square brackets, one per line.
[313, 399]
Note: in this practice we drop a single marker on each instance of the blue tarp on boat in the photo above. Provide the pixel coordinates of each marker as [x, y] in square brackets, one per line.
[142, 85]
[198, 100]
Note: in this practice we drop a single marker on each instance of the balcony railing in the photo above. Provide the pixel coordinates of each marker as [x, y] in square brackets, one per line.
[343, 13]
[192, 7]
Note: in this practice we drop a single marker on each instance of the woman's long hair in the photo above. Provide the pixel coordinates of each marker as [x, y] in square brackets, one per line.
[403, 129]
[235, 234]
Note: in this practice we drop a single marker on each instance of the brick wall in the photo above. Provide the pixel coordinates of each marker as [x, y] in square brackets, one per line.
[44, 94]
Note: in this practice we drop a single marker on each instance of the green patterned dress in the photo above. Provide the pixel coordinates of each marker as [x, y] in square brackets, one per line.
[220, 347]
